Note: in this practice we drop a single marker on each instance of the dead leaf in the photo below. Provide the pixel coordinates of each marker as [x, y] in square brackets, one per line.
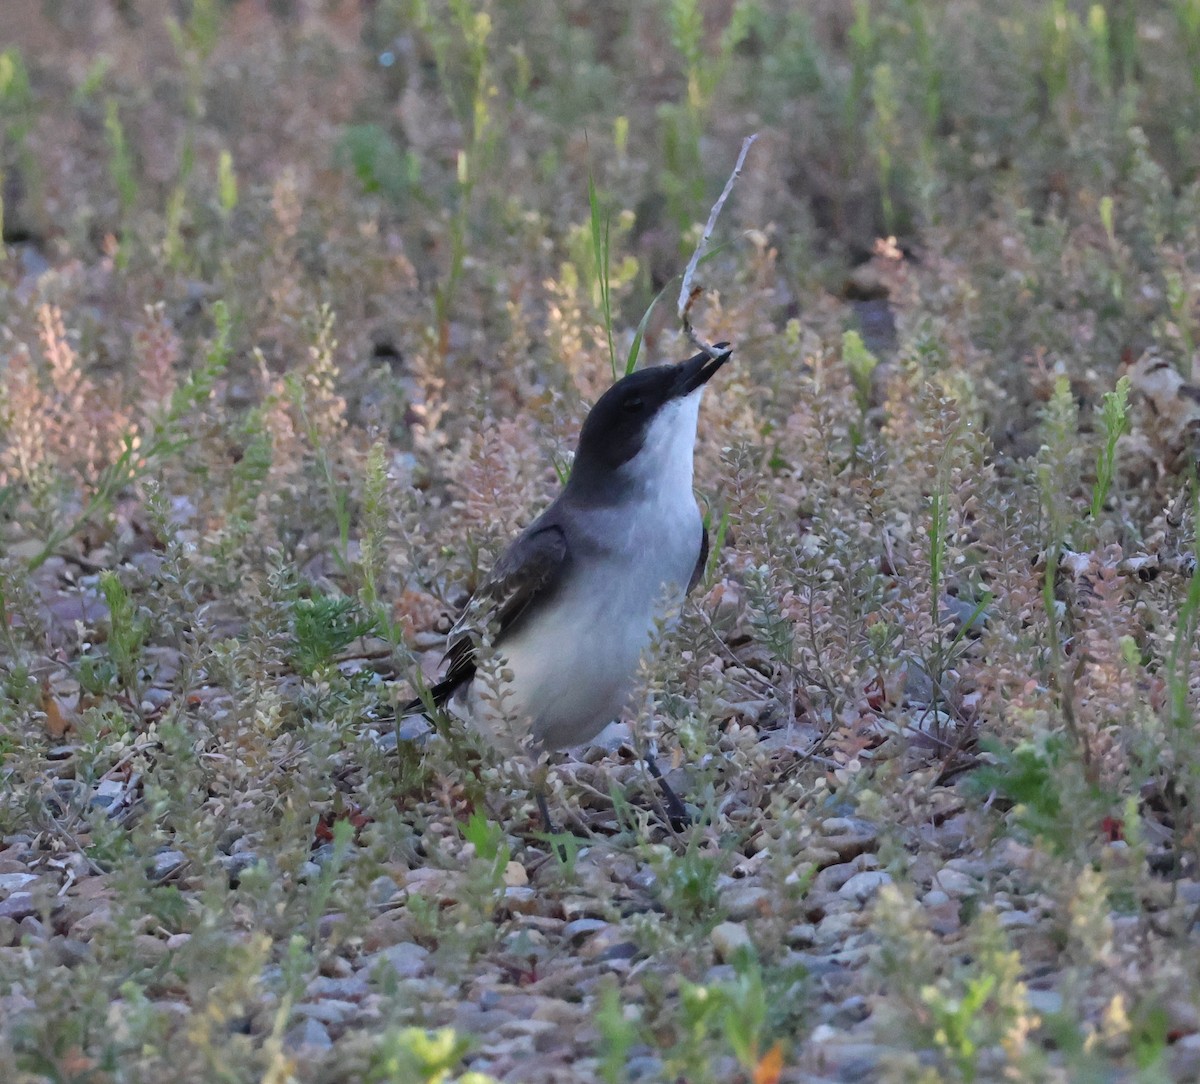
[57, 723]
[770, 1066]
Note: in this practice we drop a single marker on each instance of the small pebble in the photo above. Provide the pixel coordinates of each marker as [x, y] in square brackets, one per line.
[583, 927]
[165, 863]
[728, 938]
[862, 886]
[746, 901]
[405, 959]
[515, 875]
[310, 1034]
[1044, 1002]
[956, 883]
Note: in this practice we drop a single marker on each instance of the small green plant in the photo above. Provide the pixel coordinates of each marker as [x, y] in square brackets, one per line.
[373, 542]
[683, 123]
[419, 1056]
[1149, 1035]
[121, 168]
[483, 887]
[462, 55]
[314, 397]
[1057, 471]
[618, 1035]
[16, 118]
[687, 883]
[862, 40]
[1061, 28]
[246, 483]
[771, 625]
[886, 134]
[380, 164]
[1187, 19]
[194, 40]
[324, 625]
[1114, 421]
[128, 632]
[860, 363]
[488, 839]
[975, 1004]
[1179, 670]
[1052, 798]
[730, 1016]
[1179, 303]
[600, 257]
[956, 1020]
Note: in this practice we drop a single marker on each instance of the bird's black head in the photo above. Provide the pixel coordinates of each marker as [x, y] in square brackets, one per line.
[615, 430]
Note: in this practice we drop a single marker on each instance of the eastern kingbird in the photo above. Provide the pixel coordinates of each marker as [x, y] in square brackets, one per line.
[574, 600]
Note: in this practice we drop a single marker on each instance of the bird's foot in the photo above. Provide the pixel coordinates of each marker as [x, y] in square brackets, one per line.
[677, 814]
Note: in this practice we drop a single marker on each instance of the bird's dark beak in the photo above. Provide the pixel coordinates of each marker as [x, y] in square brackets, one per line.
[698, 371]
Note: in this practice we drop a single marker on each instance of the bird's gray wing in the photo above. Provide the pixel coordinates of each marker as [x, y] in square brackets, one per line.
[527, 571]
[701, 561]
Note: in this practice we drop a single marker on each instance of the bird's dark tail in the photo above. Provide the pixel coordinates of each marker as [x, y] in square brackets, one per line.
[439, 694]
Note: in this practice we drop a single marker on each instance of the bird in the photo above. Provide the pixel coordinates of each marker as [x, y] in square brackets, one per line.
[573, 602]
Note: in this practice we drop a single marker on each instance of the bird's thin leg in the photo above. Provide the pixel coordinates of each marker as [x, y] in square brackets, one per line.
[677, 812]
[539, 796]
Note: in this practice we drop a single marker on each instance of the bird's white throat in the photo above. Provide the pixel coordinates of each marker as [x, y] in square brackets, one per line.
[663, 465]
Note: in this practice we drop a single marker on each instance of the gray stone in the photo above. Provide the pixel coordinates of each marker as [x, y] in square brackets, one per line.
[405, 959]
[853, 1010]
[1044, 1002]
[14, 882]
[33, 930]
[237, 864]
[107, 793]
[1185, 1058]
[328, 1010]
[849, 845]
[802, 935]
[521, 900]
[729, 938]
[310, 1034]
[381, 891]
[165, 863]
[148, 950]
[746, 901]
[834, 927]
[350, 988]
[1189, 892]
[956, 883]
[832, 878]
[583, 927]
[70, 952]
[862, 886]
[644, 1067]
[850, 1061]
[18, 906]
[329, 924]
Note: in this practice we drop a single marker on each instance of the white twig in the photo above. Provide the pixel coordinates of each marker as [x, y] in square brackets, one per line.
[685, 289]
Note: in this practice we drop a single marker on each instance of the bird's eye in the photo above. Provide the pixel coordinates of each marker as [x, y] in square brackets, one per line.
[632, 403]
